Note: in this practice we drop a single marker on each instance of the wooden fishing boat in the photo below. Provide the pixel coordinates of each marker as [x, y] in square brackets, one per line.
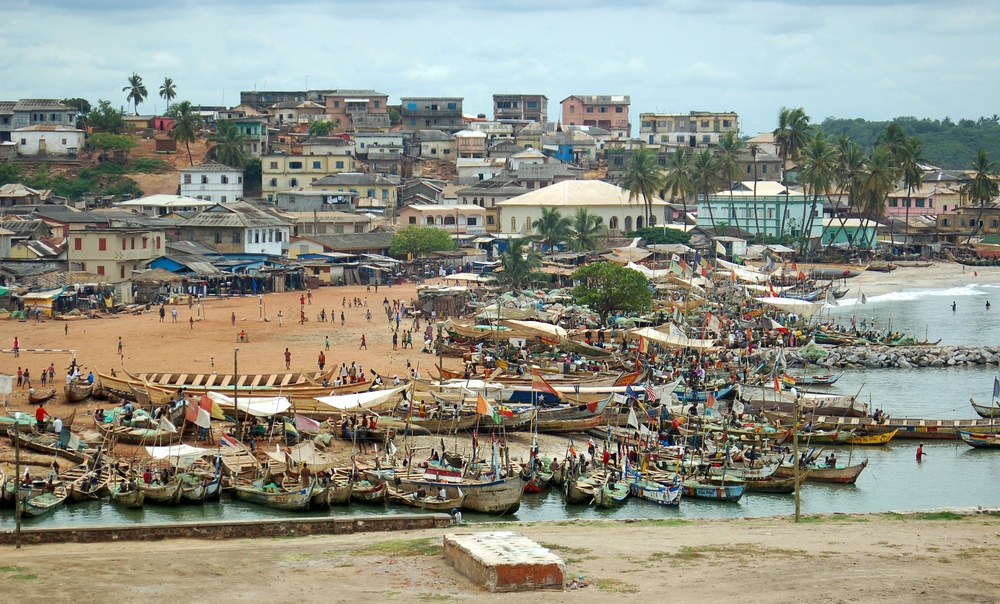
[721, 492]
[197, 488]
[991, 412]
[40, 396]
[39, 502]
[610, 494]
[330, 493]
[446, 425]
[256, 492]
[981, 441]
[538, 481]
[657, 492]
[369, 492]
[742, 472]
[774, 485]
[560, 426]
[882, 267]
[580, 491]
[487, 496]
[128, 497]
[585, 350]
[570, 412]
[48, 444]
[162, 494]
[820, 473]
[812, 380]
[426, 503]
[77, 390]
[137, 436]
[5, 495]
[871, 440]
[85, 484]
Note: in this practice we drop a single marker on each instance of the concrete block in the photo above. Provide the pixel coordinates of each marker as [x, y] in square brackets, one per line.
[502, 561]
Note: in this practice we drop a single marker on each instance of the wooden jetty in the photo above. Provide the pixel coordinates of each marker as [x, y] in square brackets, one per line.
[909, 427]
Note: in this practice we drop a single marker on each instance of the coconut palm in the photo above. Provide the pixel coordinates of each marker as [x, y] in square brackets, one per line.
[168, 91]
[982, 188]
[819, 176]
[137, 92]
[323, 127]
[910, 161]
[519, 266]
[730, 150]
[754, 150]
[877, 180]
[850, 165]
[552, 229]
[228, 145]
[643, 179]
[705, 179]
[677, 182]
[791, 136]
[186, 126]
[588, 231]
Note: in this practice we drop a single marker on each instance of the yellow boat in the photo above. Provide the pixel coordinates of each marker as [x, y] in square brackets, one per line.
[872, 439]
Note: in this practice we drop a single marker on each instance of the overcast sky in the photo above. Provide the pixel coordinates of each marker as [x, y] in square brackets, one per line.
[875, 59]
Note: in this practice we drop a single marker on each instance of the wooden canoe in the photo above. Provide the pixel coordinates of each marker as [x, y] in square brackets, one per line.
[132, 498]
[369, 492]
[820, 473]
[425, 503]
[872, 439]
[569, 425]
[39, 503]
[724, 493]
[296, 501]
[162, 494]
[137, 436]
[775, 485]
[40, 396]
[981, 441]
[990, 412]
[78, 390]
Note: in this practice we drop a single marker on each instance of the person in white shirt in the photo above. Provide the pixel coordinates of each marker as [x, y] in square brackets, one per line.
[57, 426]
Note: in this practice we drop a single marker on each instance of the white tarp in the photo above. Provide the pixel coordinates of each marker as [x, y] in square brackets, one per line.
[258, 406]
[671, 340]
[648, 272]
[181, 456]
[362, 400]
[742, 273]
[764, 289]
[546, 330]
[804, 309]
[302, 453]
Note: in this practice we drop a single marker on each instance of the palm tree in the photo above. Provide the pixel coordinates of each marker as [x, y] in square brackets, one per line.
[643, 178]
[168, 91]
[877, 180]
[519, 267]
[730, 150]
[552, 229]
[910, 162]
[791, 136]
[229, 145]
[588, 231]
[186, 126]
[850, 165]
[705, 179]
[819, 176]
[137, 92]
[678, 183]
[982, 188]
[754, 150]
[323, 128]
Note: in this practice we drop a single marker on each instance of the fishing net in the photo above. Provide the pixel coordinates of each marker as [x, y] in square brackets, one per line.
[813, 351]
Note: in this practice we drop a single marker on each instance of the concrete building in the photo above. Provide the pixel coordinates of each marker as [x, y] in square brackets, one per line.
[457, 219]
[487, 194]
[432, 113]
[470, 143]
[164, 205]
[358, 110]
[15, 194]
[307, 224]
[42, 140]
[237, 228]
[696, 129]
[433, 144]
[371, 190]
[254, 130]
[609, 112]
[212, 181]
[113, 252]
[34, 112]
[529, 107]
[284, 172]
[765, 207]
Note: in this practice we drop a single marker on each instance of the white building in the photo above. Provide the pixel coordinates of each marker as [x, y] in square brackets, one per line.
[213, 181]
[48, 140]
[606, 201]
[162, 205]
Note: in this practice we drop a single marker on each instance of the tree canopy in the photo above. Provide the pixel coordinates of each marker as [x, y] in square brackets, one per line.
[520, 266]
[415, 240]
[228, 145]
[607, 287]
[106, 141]
[137, 92]
[106, 118]
[186, 125]
[658, 235]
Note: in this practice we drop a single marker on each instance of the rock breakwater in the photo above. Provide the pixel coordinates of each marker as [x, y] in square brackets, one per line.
[902, 357]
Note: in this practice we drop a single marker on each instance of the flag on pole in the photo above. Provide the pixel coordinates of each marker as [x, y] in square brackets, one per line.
[830, 300]
[777, 384]
[227, 440]
[572, 449]
[768, 324]
[650, 393]
[643, 345]
[538, 383]
[795, 267]
[864, 300]
[996, 390]
[166, 425]
[205, 419]
[713, 323]
[710, 403]
[704, 273]
[629, 392]
[774, 294]
[633, 420]
[697, 257]
[684, 265]
[191, 411]
[483, 407]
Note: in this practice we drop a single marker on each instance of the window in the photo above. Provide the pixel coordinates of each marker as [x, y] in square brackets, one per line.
[274, 165]
[378, 104]
[272, 183]
[124, 244]
[339, 164]
[572, 109]
[224, 179]
[64, 142]
[613, 223]
[413, 220]
[157, 243]
[704, 123]
[294, 182]
[24, 141]
[236, 236]
[619, 109]
[187, 179]
[706, 138]
[920, 203]
[532, 104]
[892, 203]
[218, 237]
[473, 220]
[100, 269]
[277, 236]
[430, 220]
[447, 151]
[411, 105]
[749, 168]
[628, 223]
[725, 123]
[944, 222]
[385, 194]
[453, 106]
[122, 271]
[680, 138]
[102, 244]
[763, 169]
[590, 109]
[295, 165]
[204, 179]
[223, 200]
[145, 242]
[336, 103]
[133, 243]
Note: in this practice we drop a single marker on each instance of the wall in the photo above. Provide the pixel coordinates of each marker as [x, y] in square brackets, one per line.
[56, 143]
[214, 189]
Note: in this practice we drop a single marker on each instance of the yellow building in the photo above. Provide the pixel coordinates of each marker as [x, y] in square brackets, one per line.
[114, 252]
[284, 172]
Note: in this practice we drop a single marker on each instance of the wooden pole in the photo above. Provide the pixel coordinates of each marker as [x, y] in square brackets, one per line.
[236, 392]
[17, 484]
[795, 453]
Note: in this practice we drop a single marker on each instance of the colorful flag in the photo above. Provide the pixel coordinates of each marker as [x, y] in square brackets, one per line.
[719, 248]
[830, 300]
[643, 345]
[684, 265]
[633, 419]
[204, 419]
[213, 408]
[704, 273]
[710, 403]
[306, 424]
[795, 267]
[650, 393]
[191, 411]
[629, 392]
[774, 294]
[572, 449]
[538, 383]
[697, 257]
[166, 425]
[483, 407]
[777, 384]
[228, 441]
[768, 324]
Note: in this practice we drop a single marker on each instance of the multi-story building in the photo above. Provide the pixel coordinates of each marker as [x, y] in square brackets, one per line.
[237, 228]
[697, 129]
[261, 99]
[765, 208]
[378, 190]
[470, 143]
[609, 112]
[487, 194]
[358, 110]
[212, 181]
[254, 131]
[284, 172]
[529, 107]
[432, 113]
[49, 139]
[114, 252]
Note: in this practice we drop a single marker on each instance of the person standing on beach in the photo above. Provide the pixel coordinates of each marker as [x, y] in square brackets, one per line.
[328, 342]
[920, 452]
[119, 346]
[322, 360]
[279, 318]
[173, 315]
[288, 359]
[163, 313]
[232, 318]
[17, 347]
[364, 343]
[191, 322]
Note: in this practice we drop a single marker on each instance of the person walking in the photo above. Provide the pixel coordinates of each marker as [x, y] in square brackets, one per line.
[17, 347]
[341, 318]
[279, 318]
[233, 318]
[20, 377]
[395, 339]
[119, 346]
[328, 342]
[288, 359]
[163, 313]
[322, 360]
[364, 343]
[191, 322]
[173, 315]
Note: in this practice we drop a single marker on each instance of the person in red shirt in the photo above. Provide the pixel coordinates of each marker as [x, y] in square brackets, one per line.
[40, 414]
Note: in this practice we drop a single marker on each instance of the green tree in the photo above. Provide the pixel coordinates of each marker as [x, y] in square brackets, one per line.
[731, 150]
[662, 235]
[607, 287]
[137, 92]
[228, 145]
[878, 179]
[643, 179]
[552, 229]
[106, 141]
[588, 231]
[519, 266]
[415, 240]
[253, 174]
[982, 188]
[323, 128]
[910, 161]
[678, 183]
[819, 177]
[395, 118]
[791, 136]
[186, 125]
[106, 118]
[81, 105]
[168, 91]
[9, 173]
[754, 150]
[850, 165]
[705, 179]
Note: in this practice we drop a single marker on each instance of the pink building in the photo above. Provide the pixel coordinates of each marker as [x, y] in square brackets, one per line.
[928, 200]
[609, 112]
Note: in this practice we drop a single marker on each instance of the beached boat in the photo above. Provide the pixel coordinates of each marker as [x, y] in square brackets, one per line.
[77, 390]
[86, 484]
[712, 491]
[981, 441]
[560, 426]
[657, 492]
[273, 497]
[872, 440]
[774, 485]
[330, 493]
[742, 472]
[428, 502]
[40, 396]
[610, 494]
[991, 412]
[137, 436]
[821, 473]
[129, 497]
[162, 494]
[827, 379]
[487, 496]
[39, 502]
[48, 444]
[369, 492]
[197, 488]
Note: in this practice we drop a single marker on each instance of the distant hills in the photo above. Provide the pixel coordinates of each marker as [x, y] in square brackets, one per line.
[947, 144]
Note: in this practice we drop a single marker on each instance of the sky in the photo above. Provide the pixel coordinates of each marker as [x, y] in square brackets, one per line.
[874, 59]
